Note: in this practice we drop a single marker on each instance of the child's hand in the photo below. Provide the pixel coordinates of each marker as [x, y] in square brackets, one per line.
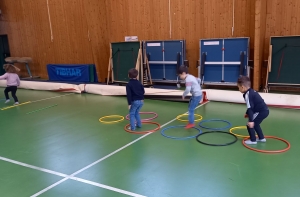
[129, 106]
[250, 124]
[182, 97]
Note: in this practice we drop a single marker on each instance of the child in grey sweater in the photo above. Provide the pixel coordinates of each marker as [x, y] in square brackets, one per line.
[192, 86]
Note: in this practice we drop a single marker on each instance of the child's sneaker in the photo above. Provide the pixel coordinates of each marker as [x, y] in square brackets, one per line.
[16, 103]
[129, 127]
[262, 140]
[249, 142]
[7, 101]
[188, 126]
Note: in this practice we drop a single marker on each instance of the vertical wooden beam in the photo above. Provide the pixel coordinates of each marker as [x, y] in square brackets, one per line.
[110, 68]
[259, 35]
[141, 63]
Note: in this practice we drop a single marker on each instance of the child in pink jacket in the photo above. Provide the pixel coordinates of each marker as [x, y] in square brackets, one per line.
[12, 81]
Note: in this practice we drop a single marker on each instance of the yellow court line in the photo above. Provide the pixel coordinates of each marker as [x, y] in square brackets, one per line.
[5, 108]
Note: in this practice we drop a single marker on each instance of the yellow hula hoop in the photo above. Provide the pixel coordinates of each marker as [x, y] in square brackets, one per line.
[240, 127]
[111, 116]
[196, 120]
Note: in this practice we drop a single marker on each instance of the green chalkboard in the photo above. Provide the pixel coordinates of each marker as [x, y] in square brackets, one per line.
[124, 56]
[285, 67]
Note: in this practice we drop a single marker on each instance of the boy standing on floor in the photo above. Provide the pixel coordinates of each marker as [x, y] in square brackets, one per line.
[192, 85]
[257, 110]
[135, 96]
[12, 82]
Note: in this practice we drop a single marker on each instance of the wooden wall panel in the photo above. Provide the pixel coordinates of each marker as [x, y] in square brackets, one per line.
[29, 34]
[283, 19]
[82, 30]
[97, 32]
[3, 20]
[147, 19]
[190, 20]
[260, 29]
[70, 33]
[32, 25]
[13, 22]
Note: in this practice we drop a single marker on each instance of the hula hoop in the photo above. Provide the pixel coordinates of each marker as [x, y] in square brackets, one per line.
[240, 127]
[147, 119]
[178, 138]
[269, 151]
[115, 121]
[196, 120]
[218, 120]
[226, 144]
[143, 132]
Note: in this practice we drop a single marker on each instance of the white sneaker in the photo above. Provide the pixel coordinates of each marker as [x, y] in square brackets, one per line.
[16, 103]
[262, 140]
[249, 142]
[7, 101]
[129, 127]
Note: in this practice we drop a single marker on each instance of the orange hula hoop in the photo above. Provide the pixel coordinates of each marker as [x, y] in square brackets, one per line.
[143, 132]
[269, 151]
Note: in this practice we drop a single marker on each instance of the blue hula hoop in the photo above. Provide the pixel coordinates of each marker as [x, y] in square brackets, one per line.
[218, 120]
[179, 138]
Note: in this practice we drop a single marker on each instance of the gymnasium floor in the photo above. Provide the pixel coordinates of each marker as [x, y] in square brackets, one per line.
[40, 150]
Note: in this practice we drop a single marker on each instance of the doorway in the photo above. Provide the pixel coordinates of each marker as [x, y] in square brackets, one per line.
[4, 52]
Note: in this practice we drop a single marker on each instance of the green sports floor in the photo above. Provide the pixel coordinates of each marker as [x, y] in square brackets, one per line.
[64, 151]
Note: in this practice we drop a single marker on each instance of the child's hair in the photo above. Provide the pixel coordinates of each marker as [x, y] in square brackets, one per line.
[9, 68]
[133, 73]
[244, 81]
[182, 69]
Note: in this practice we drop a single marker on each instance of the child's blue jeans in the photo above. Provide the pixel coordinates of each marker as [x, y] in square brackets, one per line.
[194, 101]
[134, 114]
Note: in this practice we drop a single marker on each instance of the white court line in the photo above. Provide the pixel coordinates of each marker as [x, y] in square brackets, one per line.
[90, 183]
[68, 177]
[33, 167]
[92, 164]
[107, 187]
[103, 158]
[53, 185]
